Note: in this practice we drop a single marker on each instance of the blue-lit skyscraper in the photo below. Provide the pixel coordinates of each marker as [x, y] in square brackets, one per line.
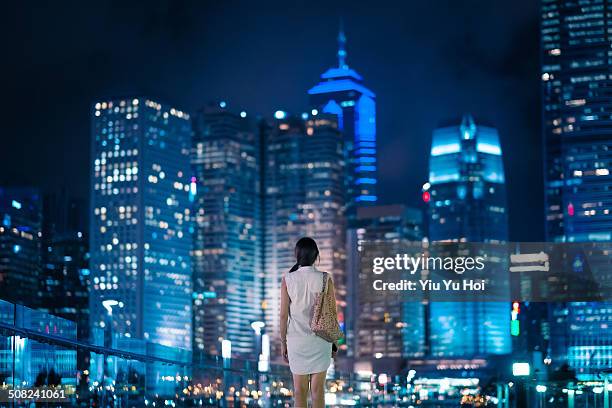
[342, 92]
[20, 240]
[304, 183]
[227, 245]
[577, 128]
[141, 221]
[466, 194]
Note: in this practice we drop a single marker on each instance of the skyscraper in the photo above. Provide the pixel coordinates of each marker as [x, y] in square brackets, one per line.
[65, 278]
[20, 230]
[381, 326]
[466, 195]
[304, 172]
[342, 92]
[141, 222]
[576, 70]
[227, 247]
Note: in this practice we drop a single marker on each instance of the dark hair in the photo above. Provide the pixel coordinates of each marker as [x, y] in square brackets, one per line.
[306, 253]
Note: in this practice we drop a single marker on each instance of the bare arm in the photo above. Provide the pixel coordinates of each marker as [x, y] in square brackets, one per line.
[284, 316]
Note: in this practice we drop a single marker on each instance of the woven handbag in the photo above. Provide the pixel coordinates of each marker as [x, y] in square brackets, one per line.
[323, 316]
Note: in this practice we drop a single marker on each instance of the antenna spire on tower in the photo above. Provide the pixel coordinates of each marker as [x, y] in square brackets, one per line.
[342, 47]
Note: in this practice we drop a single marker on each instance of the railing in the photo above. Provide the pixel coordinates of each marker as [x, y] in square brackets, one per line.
[38, 349]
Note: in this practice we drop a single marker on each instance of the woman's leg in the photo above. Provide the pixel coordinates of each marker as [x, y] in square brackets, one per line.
[300, 390]
[317, 389]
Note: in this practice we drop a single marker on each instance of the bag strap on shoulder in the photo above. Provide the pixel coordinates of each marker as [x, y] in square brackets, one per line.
[325, 280]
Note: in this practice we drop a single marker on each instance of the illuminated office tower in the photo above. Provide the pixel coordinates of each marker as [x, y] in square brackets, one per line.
[141, 222]
[304, 173]
[576, 41]
[342, 92]
[381, 326]
[227, 251]
[20, 229]
[466, 196]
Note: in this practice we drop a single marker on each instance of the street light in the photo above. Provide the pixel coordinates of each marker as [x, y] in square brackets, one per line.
[264, 357]
[262, 346]
[257, 326]
[108, 305]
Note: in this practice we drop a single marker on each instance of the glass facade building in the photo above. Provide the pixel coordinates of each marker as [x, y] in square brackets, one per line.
[400, 331]
[466, 196]
[576, 77]
[141, 221]
[304, 176]
[20, 245]
[227, 241]
[342, 93]
[66, 279]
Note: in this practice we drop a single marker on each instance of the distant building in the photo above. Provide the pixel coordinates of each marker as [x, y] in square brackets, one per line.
[63, 213]
[304, 196]
[466, 196]
[382, 327]
[227, 241]
[20, 232]
[65, 278]
[141, 220]
[577, 132]
[342, 93]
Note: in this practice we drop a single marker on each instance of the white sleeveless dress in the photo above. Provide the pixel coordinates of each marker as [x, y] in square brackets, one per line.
[307, 352]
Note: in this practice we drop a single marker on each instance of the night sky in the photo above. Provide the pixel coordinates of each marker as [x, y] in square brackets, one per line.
[427, 61]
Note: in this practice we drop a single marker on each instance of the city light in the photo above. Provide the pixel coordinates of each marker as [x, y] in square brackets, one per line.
[226, 348]
[521, 369]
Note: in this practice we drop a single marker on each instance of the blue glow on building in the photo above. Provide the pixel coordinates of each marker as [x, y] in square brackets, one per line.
[227, 240]
[440, 149]
[333, 107]
[467, 204]
[340, 85]
[341, 92]
[20, 245]
[577, 133]
[365, 180]
[141, 220]
[366, 198]
[341, 73]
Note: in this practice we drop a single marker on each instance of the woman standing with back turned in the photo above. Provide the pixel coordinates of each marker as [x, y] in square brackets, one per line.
[308, 355]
